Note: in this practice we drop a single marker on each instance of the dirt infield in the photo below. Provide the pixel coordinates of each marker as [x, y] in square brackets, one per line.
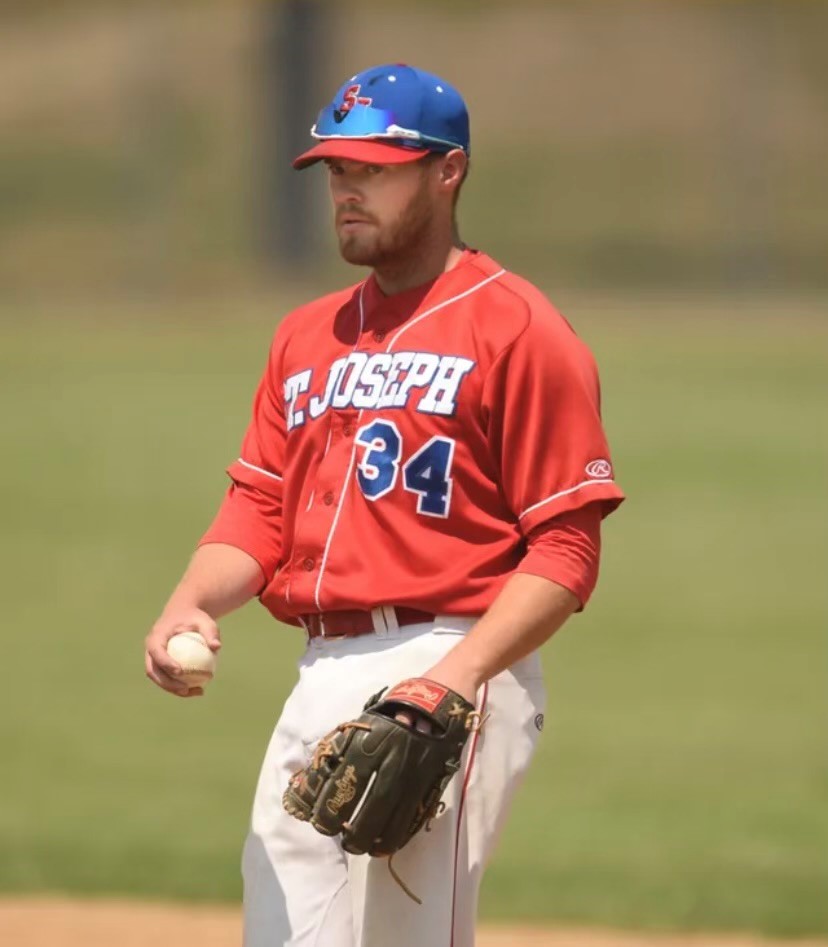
[62, 923]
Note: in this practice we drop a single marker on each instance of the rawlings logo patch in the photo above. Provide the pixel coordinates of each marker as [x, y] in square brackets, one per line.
[425, 694]
[598, 469]
[345, 790]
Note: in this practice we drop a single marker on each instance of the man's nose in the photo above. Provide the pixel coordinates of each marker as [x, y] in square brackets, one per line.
[345, 190]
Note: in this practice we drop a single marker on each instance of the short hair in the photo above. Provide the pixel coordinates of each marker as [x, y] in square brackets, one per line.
[432, 158]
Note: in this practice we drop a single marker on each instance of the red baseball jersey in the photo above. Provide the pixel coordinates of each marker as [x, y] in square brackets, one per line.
[403, 448]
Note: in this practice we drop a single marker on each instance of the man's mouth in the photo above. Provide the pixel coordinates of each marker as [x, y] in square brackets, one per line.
[352, 220]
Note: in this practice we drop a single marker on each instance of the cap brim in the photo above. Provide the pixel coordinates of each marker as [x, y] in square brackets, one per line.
[350, 149]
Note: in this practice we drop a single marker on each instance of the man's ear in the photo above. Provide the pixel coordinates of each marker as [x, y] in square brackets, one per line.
[453, 168]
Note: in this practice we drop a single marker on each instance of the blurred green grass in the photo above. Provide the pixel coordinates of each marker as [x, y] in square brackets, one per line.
[681, 780]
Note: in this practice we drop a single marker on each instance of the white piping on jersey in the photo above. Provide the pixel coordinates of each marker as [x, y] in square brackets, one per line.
[347, 480]
[267, 473]
[453, 299]
[563, 493]
[394, 338]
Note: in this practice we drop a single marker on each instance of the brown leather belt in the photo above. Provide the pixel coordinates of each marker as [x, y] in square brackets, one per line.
[351, 623]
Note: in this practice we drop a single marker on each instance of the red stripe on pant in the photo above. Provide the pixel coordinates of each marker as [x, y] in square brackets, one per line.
[467, 776]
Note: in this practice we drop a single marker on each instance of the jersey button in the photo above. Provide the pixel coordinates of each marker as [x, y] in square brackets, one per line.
[308, 565]
[379, 335]
[348, 430]
[328, 498]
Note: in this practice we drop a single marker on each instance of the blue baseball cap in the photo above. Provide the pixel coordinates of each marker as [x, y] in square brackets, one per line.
[390, 115]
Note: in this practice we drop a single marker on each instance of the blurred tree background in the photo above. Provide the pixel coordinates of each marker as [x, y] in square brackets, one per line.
[635, 145]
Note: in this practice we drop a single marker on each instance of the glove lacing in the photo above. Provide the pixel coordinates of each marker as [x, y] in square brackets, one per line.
[324, 749]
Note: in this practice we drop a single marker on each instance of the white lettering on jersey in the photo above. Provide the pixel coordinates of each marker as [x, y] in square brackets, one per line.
[423, 368]
[348, 380]
[318, 406]
[381, 381]
[401, 361]
[294, 386]
[441, 397]
[371, 380]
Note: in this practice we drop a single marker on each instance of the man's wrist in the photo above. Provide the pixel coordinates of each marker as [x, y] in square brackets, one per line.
[454, 672]
[184, 599]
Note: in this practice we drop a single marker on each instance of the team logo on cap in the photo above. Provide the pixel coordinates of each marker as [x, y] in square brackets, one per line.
[349, 100]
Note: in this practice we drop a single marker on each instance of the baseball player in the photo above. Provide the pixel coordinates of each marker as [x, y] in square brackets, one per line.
[420, 489]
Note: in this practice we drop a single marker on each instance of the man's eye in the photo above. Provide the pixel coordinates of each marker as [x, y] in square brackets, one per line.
[374, 168]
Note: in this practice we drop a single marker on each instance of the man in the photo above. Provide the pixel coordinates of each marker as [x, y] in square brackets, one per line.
[421, 489]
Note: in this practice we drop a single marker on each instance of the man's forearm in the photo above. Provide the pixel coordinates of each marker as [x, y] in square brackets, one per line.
[219, 579]
[526, 613]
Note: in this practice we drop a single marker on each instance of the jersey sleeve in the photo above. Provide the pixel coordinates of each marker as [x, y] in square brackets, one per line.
[250, 517]
[261, 461]
[567, 550]
[541, 404]
[251, 521]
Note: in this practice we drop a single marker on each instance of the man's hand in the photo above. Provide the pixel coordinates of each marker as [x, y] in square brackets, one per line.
[458, 679]
[218, 580]
[456, 675]
[160, 667]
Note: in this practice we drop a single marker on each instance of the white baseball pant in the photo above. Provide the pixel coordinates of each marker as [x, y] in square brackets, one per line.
[300, 888]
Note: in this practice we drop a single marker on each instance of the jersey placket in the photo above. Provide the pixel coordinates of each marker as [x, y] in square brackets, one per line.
[333, 486]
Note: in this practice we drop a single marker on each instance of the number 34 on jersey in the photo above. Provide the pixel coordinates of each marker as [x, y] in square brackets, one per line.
[427, 382]
[426, 473]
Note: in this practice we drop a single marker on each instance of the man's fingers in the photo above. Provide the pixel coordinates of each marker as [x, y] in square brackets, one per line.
[210, 634]
[205, 626]
[157, 651]
[208, 630]
[163, 680]
[415, 721]
[160, 667]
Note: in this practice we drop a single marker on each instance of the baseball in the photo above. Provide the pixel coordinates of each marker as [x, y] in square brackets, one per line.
[190, 650]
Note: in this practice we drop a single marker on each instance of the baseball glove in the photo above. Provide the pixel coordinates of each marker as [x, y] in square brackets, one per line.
[375, 780]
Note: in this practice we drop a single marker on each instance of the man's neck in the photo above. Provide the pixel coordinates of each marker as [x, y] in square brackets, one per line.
[419, 268]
